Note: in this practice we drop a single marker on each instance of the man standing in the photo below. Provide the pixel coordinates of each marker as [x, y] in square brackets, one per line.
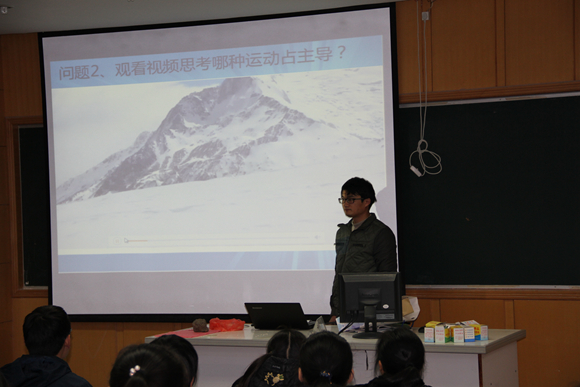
[47, 338]
[364, 244]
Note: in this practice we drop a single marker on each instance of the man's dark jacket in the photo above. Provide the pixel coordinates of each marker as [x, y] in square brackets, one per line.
[370, 248]
[41, 371]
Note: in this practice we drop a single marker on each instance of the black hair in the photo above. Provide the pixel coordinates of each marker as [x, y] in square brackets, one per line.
[182, 348]
[45, 330]
[402, 356]
[325, 358]
[360, 186]
[284, 344]
[146, 365]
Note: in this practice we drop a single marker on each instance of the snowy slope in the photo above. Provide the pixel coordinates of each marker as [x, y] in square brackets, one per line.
[79, 187]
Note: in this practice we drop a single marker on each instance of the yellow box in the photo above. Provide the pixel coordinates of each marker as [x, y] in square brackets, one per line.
[477, 331]
[432, 324]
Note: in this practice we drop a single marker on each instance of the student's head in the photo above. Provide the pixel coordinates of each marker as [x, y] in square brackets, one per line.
[182, 348]
[286, 344]
[147, 365]
[325, 358]
[357, 196]
[46, 329]
[400, 356]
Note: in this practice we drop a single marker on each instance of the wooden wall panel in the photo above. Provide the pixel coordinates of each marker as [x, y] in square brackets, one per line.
[21, 75]
[408, 67]
[93, 351]
[510, 322]
[5, 337]
[3, 176]
[540, 38]
[135, 333]
[489, 312]
[2, 115]
[463, 44]
[5, 294]
[1, 79]
[4, 235]
[576, 40]
[435, 309]
[500, 42]
[429, 308]
[549, 355]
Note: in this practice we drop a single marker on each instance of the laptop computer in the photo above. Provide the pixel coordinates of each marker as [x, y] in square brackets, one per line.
[277, 315]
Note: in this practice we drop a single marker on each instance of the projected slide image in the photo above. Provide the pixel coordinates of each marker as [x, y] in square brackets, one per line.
[211, 176]
[197, 166]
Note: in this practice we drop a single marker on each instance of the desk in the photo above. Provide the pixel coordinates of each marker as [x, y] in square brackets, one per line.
[223, 357]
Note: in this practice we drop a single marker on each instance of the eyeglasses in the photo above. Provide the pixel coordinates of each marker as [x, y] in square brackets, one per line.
[348, 200]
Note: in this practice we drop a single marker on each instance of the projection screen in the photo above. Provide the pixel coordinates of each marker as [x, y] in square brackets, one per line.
[197, 167]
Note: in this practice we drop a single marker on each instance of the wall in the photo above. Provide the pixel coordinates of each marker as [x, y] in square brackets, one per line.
[475, 49]
[5, 258]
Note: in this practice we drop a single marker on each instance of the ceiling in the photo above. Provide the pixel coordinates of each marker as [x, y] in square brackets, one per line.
[26, 16]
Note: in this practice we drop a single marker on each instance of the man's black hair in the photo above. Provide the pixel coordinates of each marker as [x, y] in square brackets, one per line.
[360, 186]
[45, 330]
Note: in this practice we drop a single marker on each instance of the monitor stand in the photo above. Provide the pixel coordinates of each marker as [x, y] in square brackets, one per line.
[370, 317]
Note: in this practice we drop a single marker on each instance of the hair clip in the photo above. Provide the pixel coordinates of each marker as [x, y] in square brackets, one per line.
[326, 374]
[133, 370]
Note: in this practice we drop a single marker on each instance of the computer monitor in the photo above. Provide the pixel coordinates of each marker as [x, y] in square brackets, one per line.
[370, 298]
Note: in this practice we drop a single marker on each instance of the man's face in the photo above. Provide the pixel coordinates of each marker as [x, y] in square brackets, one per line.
[358, 209]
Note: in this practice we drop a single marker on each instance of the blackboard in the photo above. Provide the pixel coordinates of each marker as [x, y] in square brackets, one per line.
[35, 210]
[505, 209]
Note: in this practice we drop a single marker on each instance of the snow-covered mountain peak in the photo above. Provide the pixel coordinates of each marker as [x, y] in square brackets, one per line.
[245, 88]
[244, 125]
